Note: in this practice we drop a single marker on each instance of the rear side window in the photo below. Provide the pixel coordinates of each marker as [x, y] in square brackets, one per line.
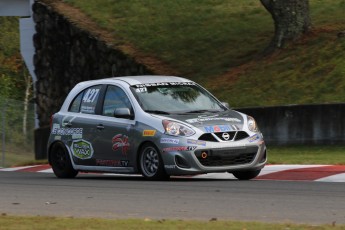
[86, 101]
[75, 105]
[89, 99]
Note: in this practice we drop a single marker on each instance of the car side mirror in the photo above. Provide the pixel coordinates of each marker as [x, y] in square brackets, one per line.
[226, 105]
[123, 113]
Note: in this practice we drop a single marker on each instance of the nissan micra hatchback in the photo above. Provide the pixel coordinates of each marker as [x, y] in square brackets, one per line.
[154, 125]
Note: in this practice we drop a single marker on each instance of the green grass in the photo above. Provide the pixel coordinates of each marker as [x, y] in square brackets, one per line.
[218, 43]
[47, 223]
[306, 155]
[17, 155]
[199, 38]
[302, 74]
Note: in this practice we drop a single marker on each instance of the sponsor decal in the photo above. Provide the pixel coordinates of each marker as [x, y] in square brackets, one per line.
[196, 142]
[218, 128]
[87, 109]
[57, 138]
[120, 141]
[253, 138]
[202, 119]
[112, 163]
[124, 163]
[76, 133]
[149, 133]
[162, 84]
[179, 148]
[169, 141]
[169, 166]
[82, 149]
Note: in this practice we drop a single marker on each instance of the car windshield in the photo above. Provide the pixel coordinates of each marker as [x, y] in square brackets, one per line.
[178, 97]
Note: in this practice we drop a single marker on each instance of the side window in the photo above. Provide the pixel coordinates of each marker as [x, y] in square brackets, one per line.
[75, 105]
[115, 98]
[89, 99]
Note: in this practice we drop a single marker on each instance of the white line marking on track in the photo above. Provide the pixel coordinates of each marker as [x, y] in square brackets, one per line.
[335, 178]
[277, 168]
[16, 168]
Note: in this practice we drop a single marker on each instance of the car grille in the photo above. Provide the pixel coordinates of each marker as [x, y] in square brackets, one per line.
[208, 137]
[233, 136]
[226, 157]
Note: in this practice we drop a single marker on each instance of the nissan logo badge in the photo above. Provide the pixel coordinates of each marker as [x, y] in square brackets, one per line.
[226, 136]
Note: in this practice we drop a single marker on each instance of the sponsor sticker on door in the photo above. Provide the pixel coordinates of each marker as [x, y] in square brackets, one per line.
[82, 149]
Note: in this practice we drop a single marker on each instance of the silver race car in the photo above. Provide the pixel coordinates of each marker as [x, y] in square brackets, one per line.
[154, 125]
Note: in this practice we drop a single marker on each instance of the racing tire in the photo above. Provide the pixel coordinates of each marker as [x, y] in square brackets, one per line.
[61, 162]
[246, 175]
[151, 164]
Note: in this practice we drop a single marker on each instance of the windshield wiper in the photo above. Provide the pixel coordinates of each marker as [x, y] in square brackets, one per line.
[156, 111]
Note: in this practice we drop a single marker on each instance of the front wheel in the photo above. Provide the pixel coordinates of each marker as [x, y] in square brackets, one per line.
[61, 162]
[246, 175]
[151, 163]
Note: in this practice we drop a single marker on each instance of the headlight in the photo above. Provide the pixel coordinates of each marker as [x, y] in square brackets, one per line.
[177, 129]
[252, 126]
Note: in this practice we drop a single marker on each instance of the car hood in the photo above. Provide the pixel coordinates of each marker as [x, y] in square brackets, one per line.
[213, 122]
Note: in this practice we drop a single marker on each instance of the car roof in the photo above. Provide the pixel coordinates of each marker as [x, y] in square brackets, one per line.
[130, 80]
[134, 80]
[145, 79]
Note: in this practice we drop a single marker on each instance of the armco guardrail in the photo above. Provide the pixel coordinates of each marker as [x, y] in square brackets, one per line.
[322, 124]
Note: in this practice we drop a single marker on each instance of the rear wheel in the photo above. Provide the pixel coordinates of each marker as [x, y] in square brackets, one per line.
[151, 163]
[61, 162]
[246, 175]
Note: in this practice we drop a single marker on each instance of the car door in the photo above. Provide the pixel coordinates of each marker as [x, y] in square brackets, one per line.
[112, 144]
[81, 123]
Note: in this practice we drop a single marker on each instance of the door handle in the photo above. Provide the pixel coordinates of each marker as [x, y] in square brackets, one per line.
[100, 127]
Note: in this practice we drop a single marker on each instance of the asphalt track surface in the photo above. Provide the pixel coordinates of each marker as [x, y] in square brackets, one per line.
[99, 195]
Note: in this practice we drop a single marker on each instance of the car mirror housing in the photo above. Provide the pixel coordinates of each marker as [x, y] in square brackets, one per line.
[123, 113]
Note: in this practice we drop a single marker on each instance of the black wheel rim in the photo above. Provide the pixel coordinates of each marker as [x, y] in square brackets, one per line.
[59, 159]
[150, 161]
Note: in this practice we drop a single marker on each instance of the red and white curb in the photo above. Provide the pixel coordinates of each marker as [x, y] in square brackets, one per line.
[323, 173]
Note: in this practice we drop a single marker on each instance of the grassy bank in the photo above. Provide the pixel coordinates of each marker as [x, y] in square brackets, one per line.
[47, 223]
[218, 43]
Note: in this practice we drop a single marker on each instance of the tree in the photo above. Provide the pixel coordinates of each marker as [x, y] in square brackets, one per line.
[291, 20]
[28, 84]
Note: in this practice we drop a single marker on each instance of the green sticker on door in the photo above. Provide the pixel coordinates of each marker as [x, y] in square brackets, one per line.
[82, 149]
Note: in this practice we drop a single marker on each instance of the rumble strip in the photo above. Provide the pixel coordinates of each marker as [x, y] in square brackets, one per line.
[322, 173]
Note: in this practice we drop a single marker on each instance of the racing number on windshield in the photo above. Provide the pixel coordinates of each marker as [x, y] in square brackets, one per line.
[90, 95]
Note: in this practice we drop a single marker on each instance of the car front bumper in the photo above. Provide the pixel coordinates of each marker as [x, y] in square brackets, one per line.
[216, 157]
